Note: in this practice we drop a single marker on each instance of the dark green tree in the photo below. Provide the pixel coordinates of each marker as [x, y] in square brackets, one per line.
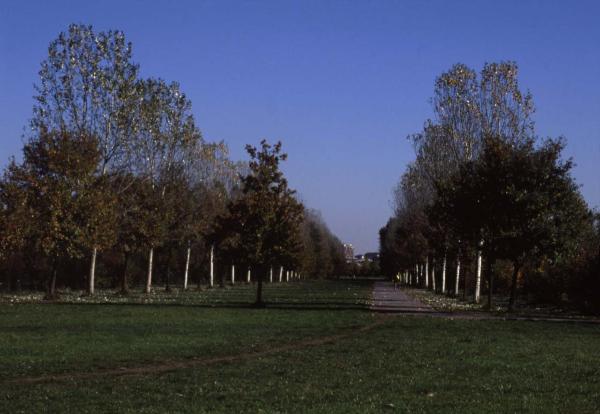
[54, 183]
[267, 216]
[522, 199]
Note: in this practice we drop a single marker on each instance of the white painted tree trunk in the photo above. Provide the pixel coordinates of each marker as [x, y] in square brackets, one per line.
[427, 272]
[92, 277]
[478, 279]
[433, 274]
[149, 278]
[457, 281]
[211, 281]
[287, 275]
[417, 274]
[233, 274]
[248, 276]
[186, 274]
[280, 274]
[444, 275]
[271, 275]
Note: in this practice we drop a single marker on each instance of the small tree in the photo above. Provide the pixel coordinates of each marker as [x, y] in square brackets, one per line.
[57, 170]
[266, 216]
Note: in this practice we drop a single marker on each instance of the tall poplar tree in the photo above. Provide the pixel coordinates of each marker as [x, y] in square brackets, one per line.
[87, 88]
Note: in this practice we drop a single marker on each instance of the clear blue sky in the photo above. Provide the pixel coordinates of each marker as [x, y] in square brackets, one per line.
[341, 83]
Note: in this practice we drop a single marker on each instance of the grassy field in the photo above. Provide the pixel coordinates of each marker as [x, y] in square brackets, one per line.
[401, 364]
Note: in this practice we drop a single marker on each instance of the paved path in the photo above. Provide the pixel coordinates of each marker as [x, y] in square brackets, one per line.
[388, 299]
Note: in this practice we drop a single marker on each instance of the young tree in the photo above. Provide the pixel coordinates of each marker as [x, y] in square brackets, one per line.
[53, 181]
[266, 216]
[165, 132]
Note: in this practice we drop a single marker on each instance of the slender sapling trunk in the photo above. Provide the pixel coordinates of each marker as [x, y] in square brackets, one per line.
[92, 276]
[211, 281]
[444, 275]
[433, 274]
[259, 301]
[457, 281]
[124, 285]
[187, 268]
[478, 275]
[513, 286]
[149, 278]
[427, 272]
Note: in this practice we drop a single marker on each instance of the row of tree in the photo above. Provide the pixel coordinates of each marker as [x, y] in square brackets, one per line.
[488, 205]
[114, 167]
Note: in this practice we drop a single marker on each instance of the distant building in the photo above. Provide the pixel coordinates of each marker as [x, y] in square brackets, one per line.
[371, 257]
[348, 252]
[359, 258]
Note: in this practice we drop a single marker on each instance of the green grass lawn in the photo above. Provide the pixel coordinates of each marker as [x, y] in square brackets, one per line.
[406, 364]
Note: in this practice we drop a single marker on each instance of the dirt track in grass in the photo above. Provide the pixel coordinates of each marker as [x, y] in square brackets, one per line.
[172, 365]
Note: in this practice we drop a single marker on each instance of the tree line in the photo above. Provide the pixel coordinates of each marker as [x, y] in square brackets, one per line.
[117, 184]
[487, 205]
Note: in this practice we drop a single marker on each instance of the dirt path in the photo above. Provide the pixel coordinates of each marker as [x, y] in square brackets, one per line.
[167, 366]
[388, 300]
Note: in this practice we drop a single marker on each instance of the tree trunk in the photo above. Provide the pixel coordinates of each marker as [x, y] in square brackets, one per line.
[466, 272]
[149, 278]
[280, 274]
[444, 275]
[417, 275]
[433, 275]
[478, 277]
[92, 275]
[271, 275]
[211, 281]
[124, 286]
[187, 268]
[287, 276]
[457, 280]
[427, 272]
[168, 272]
[52, 282]
[259, 301]
[489, 268]
[513, 287]
[248, 276]
[233, 274]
